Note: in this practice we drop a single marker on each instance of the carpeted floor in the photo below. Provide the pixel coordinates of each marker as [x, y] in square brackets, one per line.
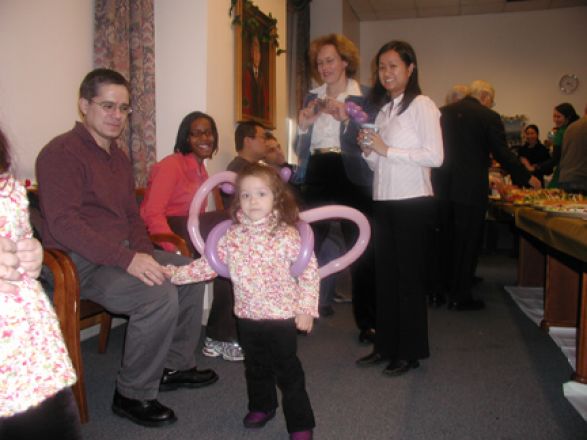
[491, 375]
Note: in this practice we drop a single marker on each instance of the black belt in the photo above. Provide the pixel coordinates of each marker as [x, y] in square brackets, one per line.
[334, 150]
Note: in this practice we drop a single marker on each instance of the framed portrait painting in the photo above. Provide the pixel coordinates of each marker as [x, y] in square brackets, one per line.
[255, 66]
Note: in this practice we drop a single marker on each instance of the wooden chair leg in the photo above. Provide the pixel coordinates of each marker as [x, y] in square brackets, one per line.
[79, 392]
[67, 304]
[105, 325]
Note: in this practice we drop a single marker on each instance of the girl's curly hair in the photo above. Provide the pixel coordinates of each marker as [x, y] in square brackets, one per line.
[284, 203]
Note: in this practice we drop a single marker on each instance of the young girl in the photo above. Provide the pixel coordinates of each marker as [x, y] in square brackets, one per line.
[35, 370]
[270, 304]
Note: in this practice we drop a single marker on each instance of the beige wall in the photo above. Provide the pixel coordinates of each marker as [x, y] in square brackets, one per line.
[181, 38]
[42, 66]
[45, 50]
[523, 54]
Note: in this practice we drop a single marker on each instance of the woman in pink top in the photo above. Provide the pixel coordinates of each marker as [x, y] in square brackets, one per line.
[174, 180]
[271, 305]
[165, 208]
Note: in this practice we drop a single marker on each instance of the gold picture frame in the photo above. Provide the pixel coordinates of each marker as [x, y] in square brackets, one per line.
[255, 66]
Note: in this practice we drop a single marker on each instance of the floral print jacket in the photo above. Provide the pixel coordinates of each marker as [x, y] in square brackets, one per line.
[34, 363]
[259, 255]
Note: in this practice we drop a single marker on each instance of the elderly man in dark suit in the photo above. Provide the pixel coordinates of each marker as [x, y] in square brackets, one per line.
[471, 132]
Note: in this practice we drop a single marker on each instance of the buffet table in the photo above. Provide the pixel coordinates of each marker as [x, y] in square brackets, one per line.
[553, 255]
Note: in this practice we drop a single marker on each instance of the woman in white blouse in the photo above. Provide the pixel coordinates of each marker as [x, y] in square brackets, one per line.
[401, 154]
[331, 169]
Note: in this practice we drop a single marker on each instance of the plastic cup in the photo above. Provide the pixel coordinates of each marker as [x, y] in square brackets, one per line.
[372, 128]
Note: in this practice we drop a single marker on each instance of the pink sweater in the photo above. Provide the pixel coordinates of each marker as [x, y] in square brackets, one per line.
[172, 184]
[259, 255]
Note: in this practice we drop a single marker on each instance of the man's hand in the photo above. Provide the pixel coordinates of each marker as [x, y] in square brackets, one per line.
[146, 269]
[30, 253]
[9, 261]
[304, 323]
[534, 182]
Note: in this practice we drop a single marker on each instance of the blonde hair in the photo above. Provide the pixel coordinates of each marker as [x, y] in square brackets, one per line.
[346, 50]
[457, 92]
[479, 88]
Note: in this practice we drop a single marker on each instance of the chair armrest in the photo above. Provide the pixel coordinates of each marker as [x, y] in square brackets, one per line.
[66, 295]
[175, 240]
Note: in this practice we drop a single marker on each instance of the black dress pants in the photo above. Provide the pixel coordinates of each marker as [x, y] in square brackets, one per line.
[465, 237]
[402, 232]
[271, 359]
[327, 183]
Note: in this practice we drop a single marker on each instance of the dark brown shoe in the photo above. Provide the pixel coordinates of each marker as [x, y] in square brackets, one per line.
[371, 359]
[143, 412]
[397, 368]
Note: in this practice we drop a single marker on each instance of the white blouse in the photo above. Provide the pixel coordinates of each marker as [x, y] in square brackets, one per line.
[326, 131]
[414, 141]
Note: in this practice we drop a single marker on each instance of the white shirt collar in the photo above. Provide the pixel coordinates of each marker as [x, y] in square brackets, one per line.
[352, 89]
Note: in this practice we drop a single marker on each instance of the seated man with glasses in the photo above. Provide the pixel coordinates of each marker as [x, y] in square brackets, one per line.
[86, 190]
[250, 145]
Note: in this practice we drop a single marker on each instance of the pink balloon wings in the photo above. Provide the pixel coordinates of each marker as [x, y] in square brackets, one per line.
[209, 248]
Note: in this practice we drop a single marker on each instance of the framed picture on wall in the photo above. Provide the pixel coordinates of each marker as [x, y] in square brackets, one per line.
[255, 65]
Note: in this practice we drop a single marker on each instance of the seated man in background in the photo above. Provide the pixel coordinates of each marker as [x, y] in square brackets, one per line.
[87, 198]
[250, 145]
[274, 156]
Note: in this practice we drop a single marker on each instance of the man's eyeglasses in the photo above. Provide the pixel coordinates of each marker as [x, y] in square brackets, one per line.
[110, 107]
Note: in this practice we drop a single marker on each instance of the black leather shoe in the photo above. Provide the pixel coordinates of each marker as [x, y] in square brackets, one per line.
[369, 360]
[367, 336]
[469, 304]
[192, 378]
[397, 368]
[143, 412]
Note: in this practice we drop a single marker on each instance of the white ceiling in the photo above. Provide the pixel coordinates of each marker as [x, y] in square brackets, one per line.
[367, 10]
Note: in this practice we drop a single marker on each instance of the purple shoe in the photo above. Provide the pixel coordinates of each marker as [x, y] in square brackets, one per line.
[258, 419]
[301, 435]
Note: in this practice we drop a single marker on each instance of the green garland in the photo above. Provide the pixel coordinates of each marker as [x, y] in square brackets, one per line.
[252, 26]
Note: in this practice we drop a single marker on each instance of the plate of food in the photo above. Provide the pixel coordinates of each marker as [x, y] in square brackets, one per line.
[578, 210]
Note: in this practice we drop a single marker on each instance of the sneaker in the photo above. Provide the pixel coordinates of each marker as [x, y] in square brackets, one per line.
[230, 351]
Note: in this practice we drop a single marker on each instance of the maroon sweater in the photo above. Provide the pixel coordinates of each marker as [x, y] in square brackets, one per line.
[88, 201]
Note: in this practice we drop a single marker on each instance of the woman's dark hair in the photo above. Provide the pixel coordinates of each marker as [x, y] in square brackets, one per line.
[533, 127]
[99, 77]
[182, 144]
[4, 153]
[568, 111]
[379, 96]
[284, 202]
